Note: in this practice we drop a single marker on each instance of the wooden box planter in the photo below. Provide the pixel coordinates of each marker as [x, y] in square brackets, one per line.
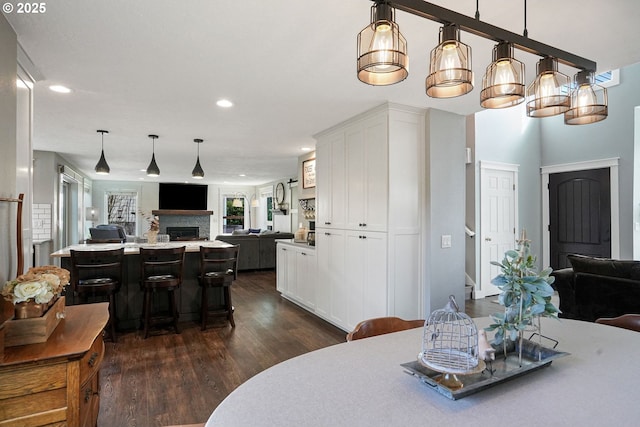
[34, 330]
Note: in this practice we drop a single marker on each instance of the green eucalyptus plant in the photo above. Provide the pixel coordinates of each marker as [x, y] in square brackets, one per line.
[526, 294]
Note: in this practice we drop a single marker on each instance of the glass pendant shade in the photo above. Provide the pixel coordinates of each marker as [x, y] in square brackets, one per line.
[450, 72]
[102, 168]
[503, 83]
[153, 169]
[198, 172]
[548, 93]
[588, 101]
[382, 49]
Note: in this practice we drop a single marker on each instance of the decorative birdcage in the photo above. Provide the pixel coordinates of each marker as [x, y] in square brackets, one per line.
[450, 344]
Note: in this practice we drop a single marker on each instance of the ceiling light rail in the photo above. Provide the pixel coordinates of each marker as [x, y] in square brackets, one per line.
[470, 25]
[383, 60]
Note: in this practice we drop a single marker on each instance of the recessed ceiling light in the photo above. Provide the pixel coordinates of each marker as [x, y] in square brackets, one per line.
[306, 149]
[143, 170]
[224, 103]
[242, 174]
[59, 89]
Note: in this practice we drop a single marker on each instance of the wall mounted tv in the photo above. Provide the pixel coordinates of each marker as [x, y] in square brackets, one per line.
[182, 196]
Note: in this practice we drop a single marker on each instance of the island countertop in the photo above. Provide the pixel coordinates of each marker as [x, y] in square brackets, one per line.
[134, 248]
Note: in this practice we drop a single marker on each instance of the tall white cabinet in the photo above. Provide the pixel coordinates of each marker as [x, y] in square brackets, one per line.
[368, 196]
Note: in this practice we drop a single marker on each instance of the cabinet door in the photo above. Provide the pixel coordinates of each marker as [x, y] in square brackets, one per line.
[330, 186]
[375, 275]
[366, 276]
[376, 174]
[282, 267]
[305, 276]
[367, 174]
[331, 287]
[355, 169]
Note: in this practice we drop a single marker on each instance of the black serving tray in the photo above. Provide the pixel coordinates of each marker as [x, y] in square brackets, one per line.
[534, 357]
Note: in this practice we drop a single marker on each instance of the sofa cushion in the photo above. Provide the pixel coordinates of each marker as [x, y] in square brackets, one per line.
[239, 232]
[626, 269]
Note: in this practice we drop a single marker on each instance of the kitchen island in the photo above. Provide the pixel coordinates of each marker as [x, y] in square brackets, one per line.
[130, 297]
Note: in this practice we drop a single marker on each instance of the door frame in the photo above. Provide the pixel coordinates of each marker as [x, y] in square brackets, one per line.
[612, 164]
[484, 166]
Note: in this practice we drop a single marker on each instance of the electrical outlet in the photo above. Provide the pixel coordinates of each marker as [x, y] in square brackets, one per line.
[445, 241]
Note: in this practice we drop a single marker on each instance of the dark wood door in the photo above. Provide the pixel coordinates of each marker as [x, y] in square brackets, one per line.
[579, 215]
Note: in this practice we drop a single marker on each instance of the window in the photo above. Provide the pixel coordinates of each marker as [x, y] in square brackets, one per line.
[121, 210]
[233, 218]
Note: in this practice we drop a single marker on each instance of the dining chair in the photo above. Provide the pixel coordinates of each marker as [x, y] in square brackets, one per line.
[161, 270]
[382, 325]
[218, 269]
[626, 321]
[98, 274]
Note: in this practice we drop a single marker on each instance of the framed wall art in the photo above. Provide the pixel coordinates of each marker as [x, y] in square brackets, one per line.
[309, 173]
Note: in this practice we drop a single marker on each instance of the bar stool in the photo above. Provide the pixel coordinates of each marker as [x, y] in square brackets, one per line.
[98, 274]
[160, 269]
[218, 269]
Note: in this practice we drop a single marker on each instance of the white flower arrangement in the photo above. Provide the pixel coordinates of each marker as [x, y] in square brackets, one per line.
[39, 284]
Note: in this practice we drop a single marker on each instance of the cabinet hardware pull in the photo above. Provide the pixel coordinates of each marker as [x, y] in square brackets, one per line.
[92, 359]
[303, 253]
[87, 395]
[364, 224]
[327, 234]
[327, 223]
[487, 239]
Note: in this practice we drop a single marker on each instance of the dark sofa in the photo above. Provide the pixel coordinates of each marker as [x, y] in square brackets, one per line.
[257, 250]
[598, 287]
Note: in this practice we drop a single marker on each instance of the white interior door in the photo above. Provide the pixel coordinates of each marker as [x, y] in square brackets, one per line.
[498, 216]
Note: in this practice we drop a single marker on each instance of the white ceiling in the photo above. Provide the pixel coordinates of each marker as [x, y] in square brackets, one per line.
[158, 67]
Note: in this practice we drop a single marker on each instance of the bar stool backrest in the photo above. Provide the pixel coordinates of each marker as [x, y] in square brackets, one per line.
[91, 268]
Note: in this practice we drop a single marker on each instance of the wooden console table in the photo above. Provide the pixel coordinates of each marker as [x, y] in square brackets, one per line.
[56, 382]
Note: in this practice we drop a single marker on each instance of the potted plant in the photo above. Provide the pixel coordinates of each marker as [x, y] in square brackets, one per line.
[526, 294]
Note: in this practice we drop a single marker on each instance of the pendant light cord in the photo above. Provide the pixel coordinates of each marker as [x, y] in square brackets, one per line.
[526, 32]
[478, 10]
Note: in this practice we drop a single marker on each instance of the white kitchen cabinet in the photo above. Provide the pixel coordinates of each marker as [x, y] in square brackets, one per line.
[366, 277]
[296, 273]
[367, 174]
[369, 263]
[330, 184]
[305, 276]
[331, 289]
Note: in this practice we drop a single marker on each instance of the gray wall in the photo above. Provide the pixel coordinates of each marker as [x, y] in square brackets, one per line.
[509, 136]
[443, 209]
[613, 137]
[8, 69]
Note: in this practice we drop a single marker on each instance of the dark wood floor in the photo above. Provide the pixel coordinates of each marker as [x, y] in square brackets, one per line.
[180, 379]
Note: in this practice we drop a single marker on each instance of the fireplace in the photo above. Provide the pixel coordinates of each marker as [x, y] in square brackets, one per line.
[183, 233]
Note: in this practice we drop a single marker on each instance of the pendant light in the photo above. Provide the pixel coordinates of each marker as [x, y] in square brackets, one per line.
[549, 91]
[153, 169]
[197, 172]
[503, 83]
[237, 203]
[102, 168]
[586, 106]
[382, 49]
[450, 72]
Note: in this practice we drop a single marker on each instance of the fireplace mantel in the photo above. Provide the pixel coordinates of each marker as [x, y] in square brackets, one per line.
[180, 212]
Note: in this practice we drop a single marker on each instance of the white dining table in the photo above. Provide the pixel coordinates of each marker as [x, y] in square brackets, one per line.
[361, 383]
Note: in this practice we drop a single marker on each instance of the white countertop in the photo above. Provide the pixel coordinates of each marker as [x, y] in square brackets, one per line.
[291, 242]
[361, 383]
[134, 248]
